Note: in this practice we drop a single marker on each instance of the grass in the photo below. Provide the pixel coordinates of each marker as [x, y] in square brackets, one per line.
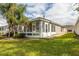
[68, 46]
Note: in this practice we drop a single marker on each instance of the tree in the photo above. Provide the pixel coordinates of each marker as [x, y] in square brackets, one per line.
[14, 15]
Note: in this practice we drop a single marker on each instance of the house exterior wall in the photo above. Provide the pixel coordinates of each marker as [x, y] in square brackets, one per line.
[70, 28]
[45, 30]
[45, 33]
[77, 28]
[65, 30]
[60, 30]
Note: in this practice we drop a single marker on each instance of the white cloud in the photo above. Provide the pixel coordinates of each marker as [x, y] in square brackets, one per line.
[58, 10]
[36, 9]
[62, 13]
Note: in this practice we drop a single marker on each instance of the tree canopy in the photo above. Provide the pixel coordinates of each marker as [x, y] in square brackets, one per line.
[14, 14]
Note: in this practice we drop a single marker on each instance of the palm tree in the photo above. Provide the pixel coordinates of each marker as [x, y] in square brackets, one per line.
[14, 14]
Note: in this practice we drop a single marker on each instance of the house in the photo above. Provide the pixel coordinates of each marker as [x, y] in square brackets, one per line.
[3, 25]
[69, 28]
[41, 27]
[77, 27]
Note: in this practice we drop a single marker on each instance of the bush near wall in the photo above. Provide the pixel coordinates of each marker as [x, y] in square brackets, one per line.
[20, 35]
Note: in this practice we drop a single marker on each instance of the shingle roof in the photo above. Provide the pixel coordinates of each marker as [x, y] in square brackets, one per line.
[47, 20]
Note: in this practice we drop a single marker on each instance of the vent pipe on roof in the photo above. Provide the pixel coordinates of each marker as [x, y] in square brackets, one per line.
[43, 16]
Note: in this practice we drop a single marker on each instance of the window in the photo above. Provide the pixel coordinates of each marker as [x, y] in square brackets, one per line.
[43, 26]
[52, 28]
[34, 26]
[29, 28]
[61, 29]
[20, 29]
[37, 26]
[69, 30]
[46, 28]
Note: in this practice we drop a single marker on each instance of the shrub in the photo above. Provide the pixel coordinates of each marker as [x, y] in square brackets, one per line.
[2, 37]
[20, 35]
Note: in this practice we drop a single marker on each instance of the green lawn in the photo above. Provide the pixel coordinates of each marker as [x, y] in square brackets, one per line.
[58, 46]
[42, 47]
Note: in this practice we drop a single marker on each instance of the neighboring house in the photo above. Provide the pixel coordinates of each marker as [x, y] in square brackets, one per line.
[77, 27]
[41, 27]
[69, 28]
[3, 26]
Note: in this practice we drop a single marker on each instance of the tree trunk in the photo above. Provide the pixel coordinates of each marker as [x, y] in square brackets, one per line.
[14, 30]
[9, 32]
[18, 29]
[14, 33]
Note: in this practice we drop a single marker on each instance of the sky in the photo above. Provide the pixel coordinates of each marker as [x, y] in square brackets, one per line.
[62, 13]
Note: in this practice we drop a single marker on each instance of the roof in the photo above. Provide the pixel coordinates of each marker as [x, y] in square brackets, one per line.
[47, 20]
[41, 19]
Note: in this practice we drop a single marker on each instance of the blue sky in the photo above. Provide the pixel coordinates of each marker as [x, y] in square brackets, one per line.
[58, 12]
[38, 9]
[61, 13]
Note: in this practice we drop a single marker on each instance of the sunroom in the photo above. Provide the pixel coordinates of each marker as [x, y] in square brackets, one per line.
[39, 27]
